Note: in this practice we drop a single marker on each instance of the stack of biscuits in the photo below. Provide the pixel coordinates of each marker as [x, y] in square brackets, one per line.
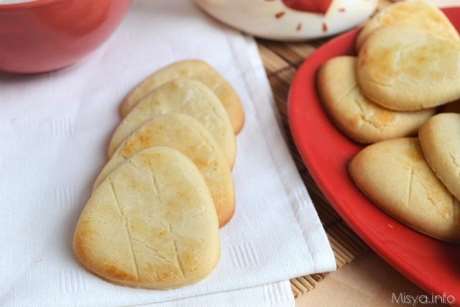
[153, 217]
[407, 67]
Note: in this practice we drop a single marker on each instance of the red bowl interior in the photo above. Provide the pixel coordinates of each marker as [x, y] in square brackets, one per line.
[431, 264]
[45, 35]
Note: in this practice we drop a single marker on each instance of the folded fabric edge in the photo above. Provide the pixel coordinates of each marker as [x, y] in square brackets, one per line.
[317, 242]
[270, 295]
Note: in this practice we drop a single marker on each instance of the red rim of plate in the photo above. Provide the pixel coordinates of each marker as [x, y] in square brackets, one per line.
[304, 105]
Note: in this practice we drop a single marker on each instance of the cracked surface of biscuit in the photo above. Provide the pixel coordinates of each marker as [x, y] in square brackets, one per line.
[151, 223]
[419, 13]
[396, 177]
[405, 69]
[361, 119]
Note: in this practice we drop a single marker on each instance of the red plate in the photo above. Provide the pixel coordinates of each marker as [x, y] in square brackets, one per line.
[431, 264]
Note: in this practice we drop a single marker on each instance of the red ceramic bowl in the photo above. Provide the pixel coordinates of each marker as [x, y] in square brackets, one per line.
[430, 263]
[45, 35]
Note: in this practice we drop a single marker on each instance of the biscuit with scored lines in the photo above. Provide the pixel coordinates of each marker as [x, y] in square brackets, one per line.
[396, 177]
[440, 142]
[185, 134]
[151, 223]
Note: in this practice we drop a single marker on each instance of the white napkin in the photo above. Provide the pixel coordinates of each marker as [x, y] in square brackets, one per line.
[270, 295]
[53, 132]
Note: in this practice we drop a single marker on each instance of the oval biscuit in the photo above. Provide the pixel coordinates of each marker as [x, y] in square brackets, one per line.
[360, 119]
[185, 134]
[395, 176]
[405, 69]
[181, 96]
[196, 70]
[419, 13]
[440, 142]
[151, 223]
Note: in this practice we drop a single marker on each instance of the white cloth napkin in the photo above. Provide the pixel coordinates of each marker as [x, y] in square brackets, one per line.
[53, 132]
[270, 295]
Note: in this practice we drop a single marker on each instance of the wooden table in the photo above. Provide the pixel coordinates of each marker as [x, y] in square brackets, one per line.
[362, 278]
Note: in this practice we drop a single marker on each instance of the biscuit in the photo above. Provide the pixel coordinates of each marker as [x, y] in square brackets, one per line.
[405, 69]
[196, 70]
[421, 14]
[440, 142]
[181, 96]
[185, 134]
[360, 119]
[151, 223]
[396, 177]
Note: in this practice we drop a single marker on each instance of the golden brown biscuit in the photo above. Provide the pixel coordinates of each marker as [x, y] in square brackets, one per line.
[440, 142]
[396, 177]
[418, 13]
[360, 119]
[151, 223]
[405, 69]
[181, 96]
[195, 70]
[185, 134]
